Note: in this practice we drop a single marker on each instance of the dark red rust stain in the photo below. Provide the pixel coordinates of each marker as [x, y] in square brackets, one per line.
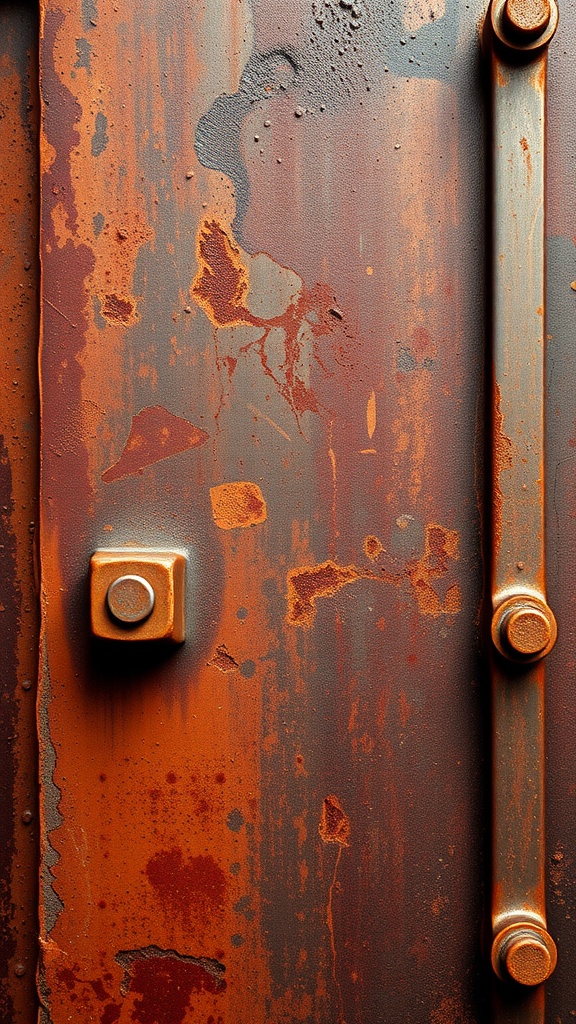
[165, 982]
[502, 460]
[222, 660]
[117, 309]
[307, 583]
[237, 505]
[111, 1013]
[155, 434]
[220, 288]
[334, 825]
[182, 885]
[440, 547]
[10, 599]
[65, 463]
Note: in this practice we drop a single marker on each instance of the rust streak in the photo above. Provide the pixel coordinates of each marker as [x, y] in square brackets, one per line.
[502, 460]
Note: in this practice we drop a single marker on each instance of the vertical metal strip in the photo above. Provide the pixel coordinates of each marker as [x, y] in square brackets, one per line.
[523, 626]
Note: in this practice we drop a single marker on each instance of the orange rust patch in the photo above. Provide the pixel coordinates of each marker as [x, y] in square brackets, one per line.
[334, 825]
[441, 546]
[502, 459]
[221, 284]
[372, 547]
[118, 309]
[237, 505]
[310, 582]
[222, 660]
[527, 156]
[155, 434]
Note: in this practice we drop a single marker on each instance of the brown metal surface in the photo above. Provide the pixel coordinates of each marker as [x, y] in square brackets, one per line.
[19, 618]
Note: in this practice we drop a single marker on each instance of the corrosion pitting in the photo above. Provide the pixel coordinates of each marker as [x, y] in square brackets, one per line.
[155, 434]
[307, 583]
[237, 505]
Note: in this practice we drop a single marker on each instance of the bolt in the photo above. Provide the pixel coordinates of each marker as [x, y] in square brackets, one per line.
[527, 960]
[27, 817]
[19, 970]
[27, 684]
[524, 628]
[527, 630]
[524, 953]
[130, 599]
[527, 19]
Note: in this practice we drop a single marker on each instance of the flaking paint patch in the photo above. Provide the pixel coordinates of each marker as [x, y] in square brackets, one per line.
[155, 434]
[223, 660]
[441, 547]
[334, 824]
[237, 505]
[119, 309]
[309, 582]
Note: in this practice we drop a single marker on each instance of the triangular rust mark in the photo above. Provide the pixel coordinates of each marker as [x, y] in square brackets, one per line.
[155, 434]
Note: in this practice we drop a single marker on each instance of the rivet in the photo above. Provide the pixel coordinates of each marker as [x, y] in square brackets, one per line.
[527, 19]
[27, 817]
[130, 599]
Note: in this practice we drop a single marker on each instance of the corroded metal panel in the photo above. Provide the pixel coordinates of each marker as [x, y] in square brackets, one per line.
[19, 618]
[262, 343]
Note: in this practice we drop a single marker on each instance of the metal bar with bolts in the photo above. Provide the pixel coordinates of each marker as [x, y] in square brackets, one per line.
[523, 628]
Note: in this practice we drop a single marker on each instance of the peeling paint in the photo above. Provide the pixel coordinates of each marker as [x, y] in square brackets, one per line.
[307, 583]
[441, 547]
[155, 434]
[222, 660]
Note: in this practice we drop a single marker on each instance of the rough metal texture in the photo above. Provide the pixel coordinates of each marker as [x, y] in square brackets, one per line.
[262, 244]
[19, 619]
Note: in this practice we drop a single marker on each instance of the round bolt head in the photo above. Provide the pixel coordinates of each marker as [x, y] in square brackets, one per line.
[524, 953]
[527, 631]
[527, 18]
[527, 960]
[130, 599]
[524, 628]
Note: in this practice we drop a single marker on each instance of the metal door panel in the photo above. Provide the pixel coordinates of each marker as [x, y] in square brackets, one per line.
[263, 343]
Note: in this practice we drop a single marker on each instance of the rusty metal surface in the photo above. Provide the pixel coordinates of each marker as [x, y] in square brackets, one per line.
[19, 618]
[262, 338]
